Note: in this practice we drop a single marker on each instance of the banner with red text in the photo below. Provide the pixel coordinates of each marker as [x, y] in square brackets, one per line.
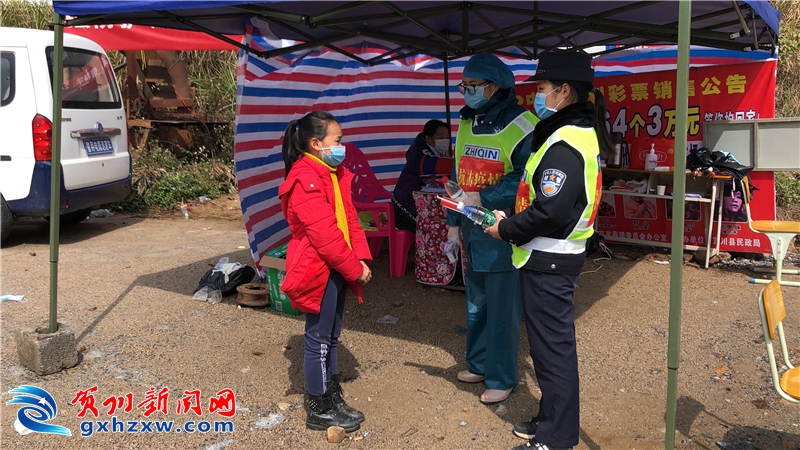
[126, 36]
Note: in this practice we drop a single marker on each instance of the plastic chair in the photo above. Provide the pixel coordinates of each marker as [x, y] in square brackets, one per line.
[366, 189]
[770, 305]
[780, 234]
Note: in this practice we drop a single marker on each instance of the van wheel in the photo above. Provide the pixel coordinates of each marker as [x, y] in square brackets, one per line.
[6, 219]
[75, 217]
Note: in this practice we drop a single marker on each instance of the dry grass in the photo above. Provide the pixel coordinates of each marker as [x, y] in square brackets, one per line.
[787, 88]
[26, 14]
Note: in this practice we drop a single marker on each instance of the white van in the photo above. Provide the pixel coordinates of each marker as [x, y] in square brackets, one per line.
[95, 163]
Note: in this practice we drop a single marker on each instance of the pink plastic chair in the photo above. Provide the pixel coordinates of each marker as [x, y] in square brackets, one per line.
[366, 190]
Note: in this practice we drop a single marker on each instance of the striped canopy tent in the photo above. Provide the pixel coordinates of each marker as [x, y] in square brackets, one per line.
[419, 34]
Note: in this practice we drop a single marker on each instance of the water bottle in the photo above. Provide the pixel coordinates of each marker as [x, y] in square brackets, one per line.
[480, 215]
[454, 191]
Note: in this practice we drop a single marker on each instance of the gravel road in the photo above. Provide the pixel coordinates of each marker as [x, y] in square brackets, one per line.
[125, 285]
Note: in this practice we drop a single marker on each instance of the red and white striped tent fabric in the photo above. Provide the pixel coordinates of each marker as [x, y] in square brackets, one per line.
[381, 109]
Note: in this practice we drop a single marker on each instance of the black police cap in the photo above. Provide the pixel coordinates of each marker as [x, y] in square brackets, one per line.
[564, 66]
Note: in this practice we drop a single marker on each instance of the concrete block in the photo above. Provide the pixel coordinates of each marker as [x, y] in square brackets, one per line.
[46, 353]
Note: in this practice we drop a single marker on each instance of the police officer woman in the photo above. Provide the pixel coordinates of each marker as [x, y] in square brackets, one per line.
[549, 226]
[492, 145]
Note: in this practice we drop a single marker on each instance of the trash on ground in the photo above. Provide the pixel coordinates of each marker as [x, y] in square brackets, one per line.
[463, 424]
[11, 298]
[240, 408]
[205, 294]
[219, 445]
[203, 199]
[101, 213]
[388, 319]
[222, 280]
[206, 229]
[269, 422]
[661, 262]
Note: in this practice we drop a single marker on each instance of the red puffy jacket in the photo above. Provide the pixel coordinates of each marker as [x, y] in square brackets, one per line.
[317, 245]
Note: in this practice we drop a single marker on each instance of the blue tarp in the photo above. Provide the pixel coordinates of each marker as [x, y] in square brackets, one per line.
[436, 26]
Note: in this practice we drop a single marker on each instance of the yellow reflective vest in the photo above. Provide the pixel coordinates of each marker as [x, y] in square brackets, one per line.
[584, 140]
[482, 159]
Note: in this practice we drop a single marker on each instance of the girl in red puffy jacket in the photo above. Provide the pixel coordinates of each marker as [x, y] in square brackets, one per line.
[327, 255]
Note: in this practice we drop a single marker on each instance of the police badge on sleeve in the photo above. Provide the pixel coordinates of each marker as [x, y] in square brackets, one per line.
[552, 181]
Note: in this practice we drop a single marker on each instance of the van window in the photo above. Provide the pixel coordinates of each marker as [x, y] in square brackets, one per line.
[89, 81]
[7, 76]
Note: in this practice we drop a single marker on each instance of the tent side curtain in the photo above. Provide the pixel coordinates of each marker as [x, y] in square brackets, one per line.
[381, 109]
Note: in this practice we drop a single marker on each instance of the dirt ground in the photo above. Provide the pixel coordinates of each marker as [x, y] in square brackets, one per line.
[125, 285]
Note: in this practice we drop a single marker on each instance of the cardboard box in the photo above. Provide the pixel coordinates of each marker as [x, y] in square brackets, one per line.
[274, 263]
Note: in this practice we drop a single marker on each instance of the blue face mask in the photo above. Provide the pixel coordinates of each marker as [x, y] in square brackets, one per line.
[336, 157]
[540, 106]
[475, 100]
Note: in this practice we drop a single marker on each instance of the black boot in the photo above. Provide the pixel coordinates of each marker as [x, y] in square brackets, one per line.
[323, 413]
[335, 388]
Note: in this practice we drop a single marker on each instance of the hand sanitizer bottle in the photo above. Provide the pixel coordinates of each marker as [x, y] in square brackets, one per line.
[651, 161]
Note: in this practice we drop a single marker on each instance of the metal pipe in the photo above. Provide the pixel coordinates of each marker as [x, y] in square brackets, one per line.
[744, 31]
[55, 167]
[447, 92]
[679, 192]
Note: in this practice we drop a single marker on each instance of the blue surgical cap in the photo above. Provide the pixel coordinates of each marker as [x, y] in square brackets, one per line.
[489, 67]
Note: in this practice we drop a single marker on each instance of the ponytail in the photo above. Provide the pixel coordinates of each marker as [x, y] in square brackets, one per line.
[603, 136]
[580, 92]
[290, 151]
[299, 133]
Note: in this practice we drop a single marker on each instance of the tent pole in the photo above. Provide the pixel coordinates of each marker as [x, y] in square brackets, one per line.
[447, 91]
[55, 167]
[679, 192]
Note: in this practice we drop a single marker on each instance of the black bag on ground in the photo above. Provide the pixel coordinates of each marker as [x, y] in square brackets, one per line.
[593, 244]
[215, 280]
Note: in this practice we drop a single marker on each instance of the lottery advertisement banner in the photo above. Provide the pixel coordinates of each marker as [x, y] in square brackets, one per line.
[642, 107]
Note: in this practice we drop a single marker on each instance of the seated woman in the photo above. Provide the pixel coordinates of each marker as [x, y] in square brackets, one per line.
[428, 155]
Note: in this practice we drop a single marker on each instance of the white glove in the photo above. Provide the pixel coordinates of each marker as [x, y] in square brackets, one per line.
[454, 235]
[473, 198]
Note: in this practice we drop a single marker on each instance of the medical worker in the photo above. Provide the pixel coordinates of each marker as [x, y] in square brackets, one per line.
[552, 221]
[492, 146]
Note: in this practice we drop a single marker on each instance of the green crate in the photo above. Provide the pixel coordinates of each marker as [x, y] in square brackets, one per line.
[279, 300]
